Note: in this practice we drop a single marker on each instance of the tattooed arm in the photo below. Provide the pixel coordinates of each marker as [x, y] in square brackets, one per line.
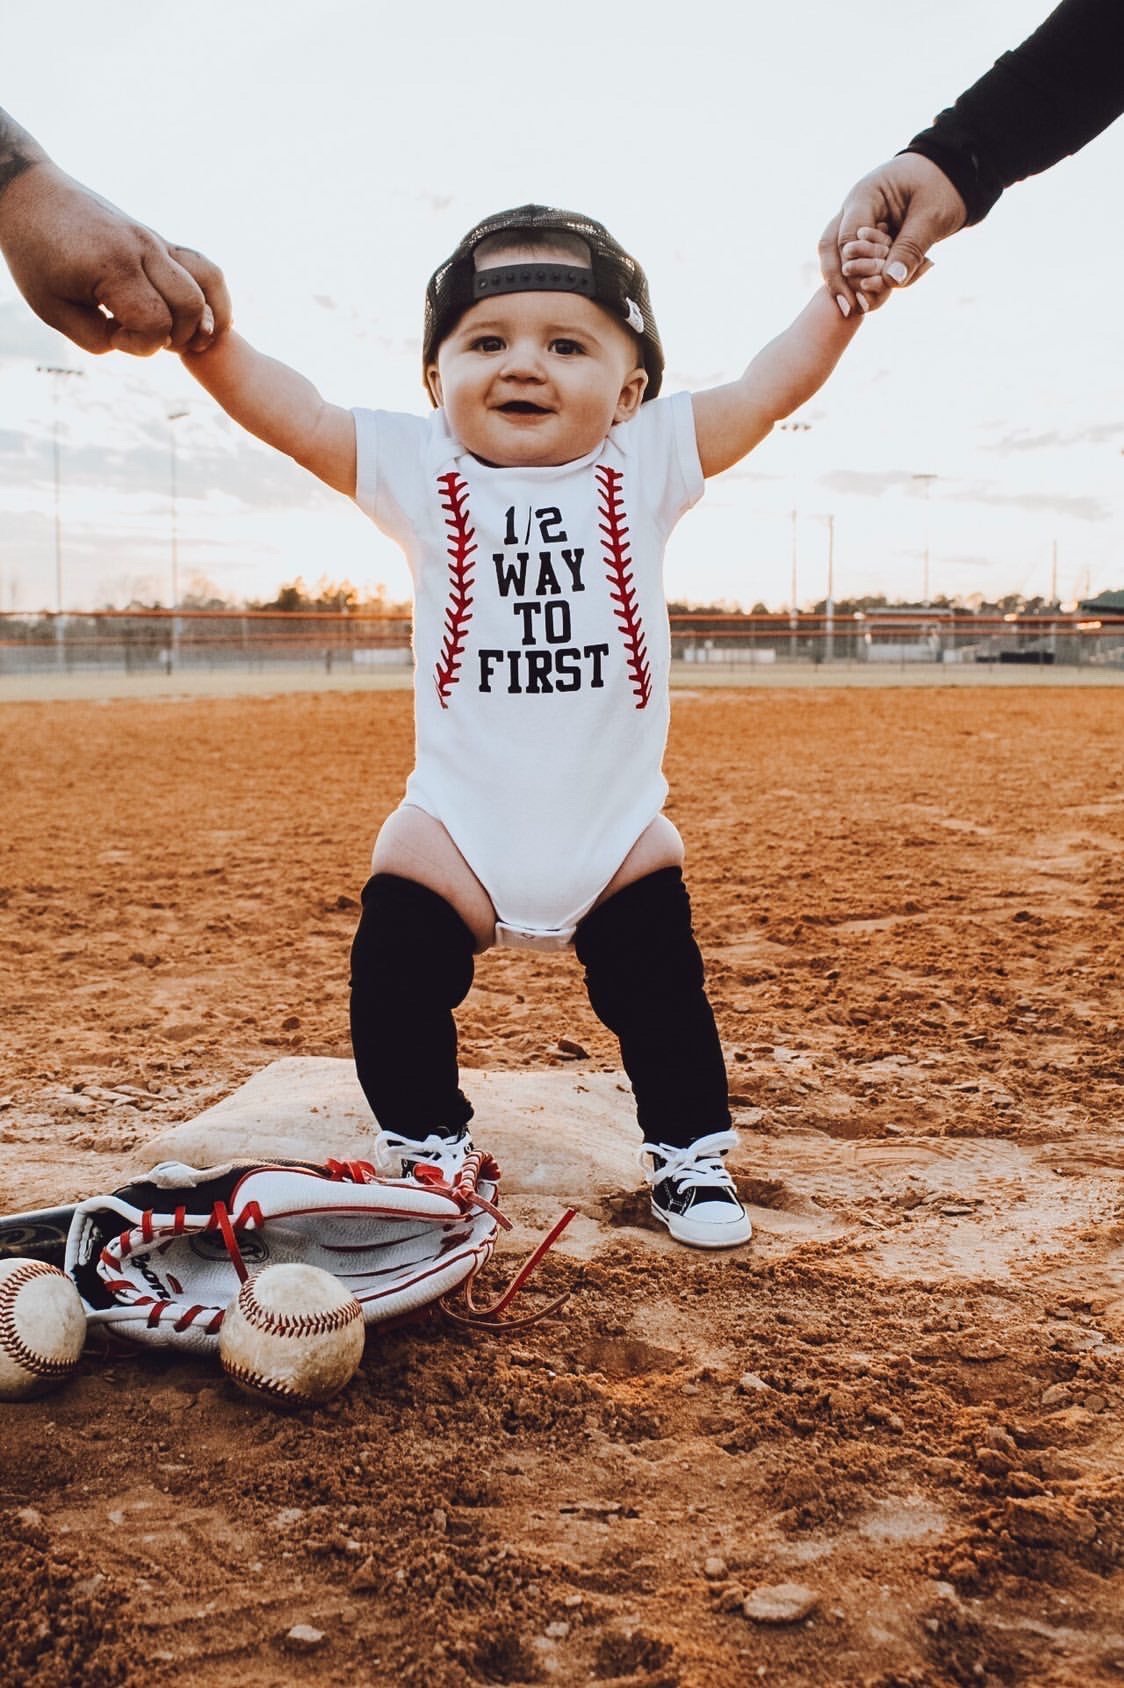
[100, 278]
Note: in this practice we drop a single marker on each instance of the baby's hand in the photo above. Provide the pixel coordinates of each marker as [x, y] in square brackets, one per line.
[864, 259]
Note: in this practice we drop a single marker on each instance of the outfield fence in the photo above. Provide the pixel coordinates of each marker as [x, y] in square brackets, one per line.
[165, 641]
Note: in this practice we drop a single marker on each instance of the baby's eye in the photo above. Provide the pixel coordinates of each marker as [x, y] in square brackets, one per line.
[567, 348]
[488, 343]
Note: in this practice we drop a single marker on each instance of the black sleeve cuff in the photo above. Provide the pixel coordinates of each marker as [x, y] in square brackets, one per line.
[1036, 105]
[954, 153]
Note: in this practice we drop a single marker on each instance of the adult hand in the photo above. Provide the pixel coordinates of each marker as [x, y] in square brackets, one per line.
[103, 280]
[915, 202]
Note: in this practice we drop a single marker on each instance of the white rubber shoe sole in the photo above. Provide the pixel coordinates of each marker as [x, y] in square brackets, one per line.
[709, 1225]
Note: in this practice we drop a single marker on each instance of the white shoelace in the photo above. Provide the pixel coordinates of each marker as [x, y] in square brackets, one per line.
[699, 1163]
[444, 1152]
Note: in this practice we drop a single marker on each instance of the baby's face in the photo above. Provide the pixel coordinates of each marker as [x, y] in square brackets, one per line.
[531, 379]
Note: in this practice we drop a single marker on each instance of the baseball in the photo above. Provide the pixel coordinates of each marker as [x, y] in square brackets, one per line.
[294, 1335]
[42, 1328]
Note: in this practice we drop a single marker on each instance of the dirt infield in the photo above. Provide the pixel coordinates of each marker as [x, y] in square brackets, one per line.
[900, 1406]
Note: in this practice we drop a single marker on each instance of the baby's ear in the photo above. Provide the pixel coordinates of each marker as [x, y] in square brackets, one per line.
[433, 382]
[631, 396]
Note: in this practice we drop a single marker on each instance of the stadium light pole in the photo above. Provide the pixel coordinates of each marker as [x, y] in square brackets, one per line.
[57, 374]
[926, 483]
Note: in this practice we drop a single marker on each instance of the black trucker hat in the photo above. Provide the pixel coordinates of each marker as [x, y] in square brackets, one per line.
[615, 280]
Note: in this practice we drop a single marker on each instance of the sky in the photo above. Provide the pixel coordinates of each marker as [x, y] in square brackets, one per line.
[329, 157]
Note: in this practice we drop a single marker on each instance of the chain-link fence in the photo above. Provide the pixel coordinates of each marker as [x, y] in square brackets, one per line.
[903, 638]
[167, 642]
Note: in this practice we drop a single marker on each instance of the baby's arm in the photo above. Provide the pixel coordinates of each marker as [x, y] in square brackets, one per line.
[731, 420]
[281, 407]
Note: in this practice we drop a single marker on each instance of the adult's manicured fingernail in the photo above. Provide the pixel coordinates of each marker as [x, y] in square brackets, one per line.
[897, 271]
[864, 302]
[844, 304]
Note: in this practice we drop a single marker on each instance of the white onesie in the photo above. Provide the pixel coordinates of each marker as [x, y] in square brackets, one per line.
[541, 647]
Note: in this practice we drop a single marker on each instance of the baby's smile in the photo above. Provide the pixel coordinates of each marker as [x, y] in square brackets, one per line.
[523, 407]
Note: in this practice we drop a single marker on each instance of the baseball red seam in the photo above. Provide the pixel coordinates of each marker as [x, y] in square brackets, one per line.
[272, 1323]
[262, 1385]
[460, 544]
[11, 1341]
[618, 567]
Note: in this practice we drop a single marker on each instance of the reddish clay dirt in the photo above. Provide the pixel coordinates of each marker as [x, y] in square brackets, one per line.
[904, 1397]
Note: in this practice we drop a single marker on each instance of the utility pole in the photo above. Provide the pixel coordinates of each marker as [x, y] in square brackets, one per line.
[795, 548]
[58, 374]
[926, 483]
[794, 614]
[829, 618]
[174, 416]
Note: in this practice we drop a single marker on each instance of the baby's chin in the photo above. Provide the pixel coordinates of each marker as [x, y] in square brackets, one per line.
[523, 449]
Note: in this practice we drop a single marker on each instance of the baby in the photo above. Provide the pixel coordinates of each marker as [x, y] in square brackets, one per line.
[534, 505]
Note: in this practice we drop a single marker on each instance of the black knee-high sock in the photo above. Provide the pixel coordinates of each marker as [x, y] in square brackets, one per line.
[411, 965]
[644, 975]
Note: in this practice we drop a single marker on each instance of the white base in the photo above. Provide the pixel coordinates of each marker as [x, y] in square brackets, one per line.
[561, 1139]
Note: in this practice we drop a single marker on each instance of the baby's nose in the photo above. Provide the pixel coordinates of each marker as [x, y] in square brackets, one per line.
[524, 361]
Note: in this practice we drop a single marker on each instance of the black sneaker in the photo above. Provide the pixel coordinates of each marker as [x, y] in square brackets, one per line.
[693, 1194]
[445, 1153]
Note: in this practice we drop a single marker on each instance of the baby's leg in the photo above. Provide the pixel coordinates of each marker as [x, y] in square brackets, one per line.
[424, 914]
[658, 846]
[644, 974]
[415, 846]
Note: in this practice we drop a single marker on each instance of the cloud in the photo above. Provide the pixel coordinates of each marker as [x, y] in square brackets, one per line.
[1097, 433]
[133, 463]
[1084, 509]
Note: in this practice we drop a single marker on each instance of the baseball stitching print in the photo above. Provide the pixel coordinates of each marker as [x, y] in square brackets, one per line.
[618, 567]
[460, 544]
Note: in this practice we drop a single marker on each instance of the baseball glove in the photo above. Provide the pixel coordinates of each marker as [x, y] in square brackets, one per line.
[161, 1260]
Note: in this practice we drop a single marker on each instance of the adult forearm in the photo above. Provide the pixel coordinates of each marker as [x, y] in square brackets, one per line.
[90, 270]
[18, 151]
[1037, 104]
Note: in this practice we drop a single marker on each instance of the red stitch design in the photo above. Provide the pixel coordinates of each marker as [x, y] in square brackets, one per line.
[618, 567]
[460, 544]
